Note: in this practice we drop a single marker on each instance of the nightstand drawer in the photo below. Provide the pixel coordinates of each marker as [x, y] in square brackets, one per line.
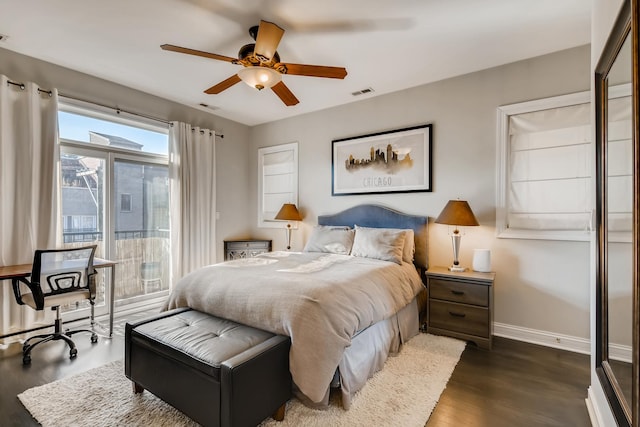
[459, 318]
[462, 292]
[245, 245]
[237, 249]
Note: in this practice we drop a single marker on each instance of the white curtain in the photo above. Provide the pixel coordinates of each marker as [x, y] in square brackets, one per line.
[192, 174]
[29, 190]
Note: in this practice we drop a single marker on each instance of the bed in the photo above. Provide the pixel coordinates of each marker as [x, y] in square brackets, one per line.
[346, 304]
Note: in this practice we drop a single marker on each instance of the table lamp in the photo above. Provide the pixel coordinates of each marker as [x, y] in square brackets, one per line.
[288, 212]
[457, 213]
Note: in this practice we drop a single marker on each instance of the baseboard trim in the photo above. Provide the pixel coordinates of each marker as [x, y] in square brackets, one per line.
[594, 412]
[620, 352]
[546, 338]
[559, 341]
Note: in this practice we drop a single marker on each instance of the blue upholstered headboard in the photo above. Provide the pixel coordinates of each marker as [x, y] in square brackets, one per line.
[383, 217]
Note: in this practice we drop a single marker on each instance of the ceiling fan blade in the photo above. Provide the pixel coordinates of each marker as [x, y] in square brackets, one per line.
[285, 94]
[316, 71]
[269, 35]
[225, 84]
[188, 51]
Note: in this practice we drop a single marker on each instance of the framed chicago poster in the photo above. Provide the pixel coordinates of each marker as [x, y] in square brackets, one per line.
[395, 161]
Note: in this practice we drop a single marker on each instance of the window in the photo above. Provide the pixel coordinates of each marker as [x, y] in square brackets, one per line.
[125, 202]
[91, 124]
[277, 181]
[545, 169]
[546, 164]
[115, 193]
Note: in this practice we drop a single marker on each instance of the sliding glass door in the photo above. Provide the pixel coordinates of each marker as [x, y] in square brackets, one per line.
[83, 200]
[141, 228]
[115, 193]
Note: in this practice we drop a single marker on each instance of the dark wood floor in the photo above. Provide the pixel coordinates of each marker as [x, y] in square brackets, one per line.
[515, 384]
[51, 362]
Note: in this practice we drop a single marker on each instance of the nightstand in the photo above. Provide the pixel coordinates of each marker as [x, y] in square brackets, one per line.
[236, 249]
[460, 305]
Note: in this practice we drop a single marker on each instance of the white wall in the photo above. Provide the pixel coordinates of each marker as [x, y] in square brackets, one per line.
[540, 285]
[603, 15]
[232, 152]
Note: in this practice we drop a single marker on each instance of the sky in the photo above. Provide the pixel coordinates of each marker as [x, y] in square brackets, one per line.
[77, 127]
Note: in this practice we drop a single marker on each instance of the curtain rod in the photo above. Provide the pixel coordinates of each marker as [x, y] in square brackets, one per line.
[117, 109]
[22, 87]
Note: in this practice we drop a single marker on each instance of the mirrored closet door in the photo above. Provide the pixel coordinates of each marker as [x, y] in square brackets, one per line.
[617, 217]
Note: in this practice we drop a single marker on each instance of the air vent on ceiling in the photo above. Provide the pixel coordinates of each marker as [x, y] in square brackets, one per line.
[362, 92]
[211, 107]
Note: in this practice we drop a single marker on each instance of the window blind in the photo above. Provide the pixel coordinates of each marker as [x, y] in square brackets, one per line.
[619, 165]
[550, 166]
[277, 176]
[277, 181]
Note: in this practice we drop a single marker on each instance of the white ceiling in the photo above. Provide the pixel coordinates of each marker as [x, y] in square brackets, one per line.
[386, 45]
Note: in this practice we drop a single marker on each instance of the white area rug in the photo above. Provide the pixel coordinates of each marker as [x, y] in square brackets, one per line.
[404, 393]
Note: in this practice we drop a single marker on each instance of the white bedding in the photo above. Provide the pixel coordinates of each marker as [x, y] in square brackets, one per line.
[319, 300]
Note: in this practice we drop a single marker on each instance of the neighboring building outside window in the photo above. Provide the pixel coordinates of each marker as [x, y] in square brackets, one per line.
[125, 202]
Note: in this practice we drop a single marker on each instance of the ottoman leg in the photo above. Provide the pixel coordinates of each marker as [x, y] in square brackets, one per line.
[137, 388]
[279, 414]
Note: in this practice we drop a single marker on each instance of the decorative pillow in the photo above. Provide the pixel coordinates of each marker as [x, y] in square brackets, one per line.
[336, 240]
[409, 246]
[409, 242]
[379, 243]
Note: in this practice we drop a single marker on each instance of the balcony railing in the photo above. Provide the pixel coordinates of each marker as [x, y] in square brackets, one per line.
[92, 235]
[142, 258]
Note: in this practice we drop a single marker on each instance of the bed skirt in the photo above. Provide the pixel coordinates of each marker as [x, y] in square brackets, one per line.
[368, 352]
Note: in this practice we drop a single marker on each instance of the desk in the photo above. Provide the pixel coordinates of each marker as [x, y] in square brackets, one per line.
[24, 270]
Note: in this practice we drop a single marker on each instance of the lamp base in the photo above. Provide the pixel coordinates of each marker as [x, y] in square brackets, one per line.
[457, 269]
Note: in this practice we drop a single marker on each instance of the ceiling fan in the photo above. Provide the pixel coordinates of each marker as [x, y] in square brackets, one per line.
[262, 66]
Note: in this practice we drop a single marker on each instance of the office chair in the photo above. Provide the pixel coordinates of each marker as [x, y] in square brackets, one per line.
[58, 277]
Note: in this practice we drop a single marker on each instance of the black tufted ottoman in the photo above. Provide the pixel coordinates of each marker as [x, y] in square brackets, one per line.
[218, 372]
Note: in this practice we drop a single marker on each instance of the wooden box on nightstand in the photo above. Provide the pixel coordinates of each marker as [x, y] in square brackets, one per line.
[461, 305]
[236, 249]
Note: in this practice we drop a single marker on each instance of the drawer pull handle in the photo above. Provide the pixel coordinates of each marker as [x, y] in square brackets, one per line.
[453, 313]
[459, 293]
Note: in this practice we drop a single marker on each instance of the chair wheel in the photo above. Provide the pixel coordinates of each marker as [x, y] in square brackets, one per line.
[73, 353]
[26, 359]
[94, 338]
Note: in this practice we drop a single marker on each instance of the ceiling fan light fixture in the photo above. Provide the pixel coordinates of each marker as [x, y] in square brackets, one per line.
[261, 66]
[259, 77]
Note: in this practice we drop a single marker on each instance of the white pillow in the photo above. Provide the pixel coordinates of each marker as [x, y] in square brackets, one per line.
[379, 243]
[409, 242]
[336, 240]
[409, 246]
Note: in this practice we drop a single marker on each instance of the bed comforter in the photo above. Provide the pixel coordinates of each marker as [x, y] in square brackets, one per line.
[319, 300]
